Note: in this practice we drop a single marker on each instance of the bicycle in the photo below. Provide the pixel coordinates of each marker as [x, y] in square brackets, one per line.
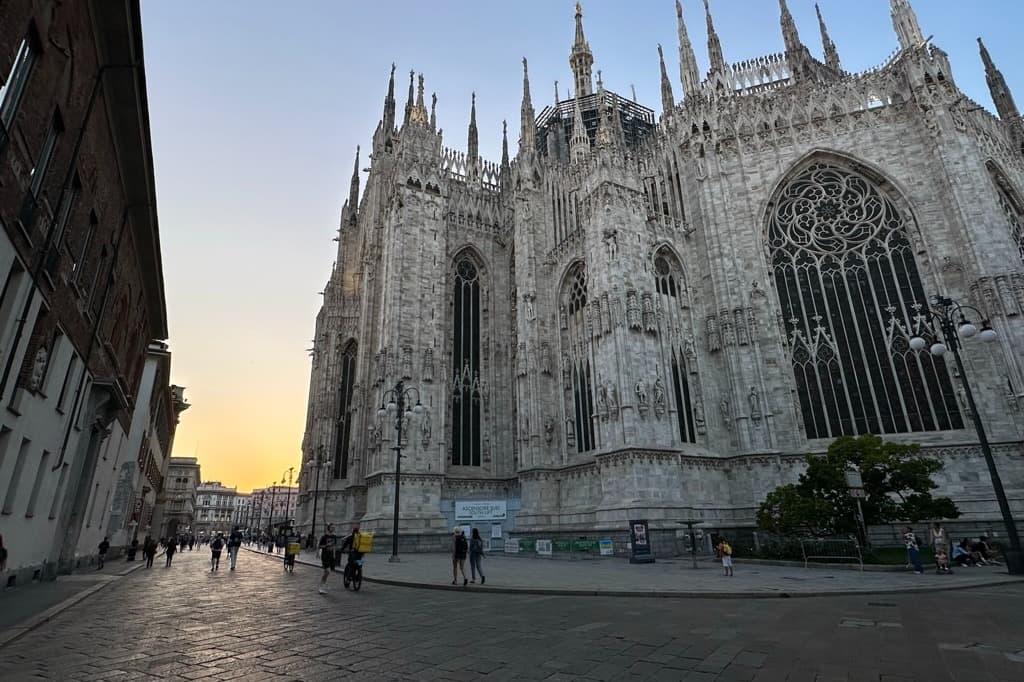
[353, 574]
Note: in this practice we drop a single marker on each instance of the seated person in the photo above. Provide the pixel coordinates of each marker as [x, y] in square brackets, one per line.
[983, 552]
[942, 562]
[962, 554]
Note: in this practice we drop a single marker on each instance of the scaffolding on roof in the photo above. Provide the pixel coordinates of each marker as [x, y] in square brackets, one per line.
[637, 120]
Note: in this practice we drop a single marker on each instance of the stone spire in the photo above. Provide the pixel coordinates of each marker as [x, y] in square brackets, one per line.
[433, 111]
[831, 54]
[504, 145]
[790, 36]
[717, 61]
[581, 59]
[689, 75]
[579, 144]
[353, 188]
[604, 116]
[473, 144]
[410, 100]
[527, 123]
[389, 104]
[668, 101]
[904, 21]
[1001, 97]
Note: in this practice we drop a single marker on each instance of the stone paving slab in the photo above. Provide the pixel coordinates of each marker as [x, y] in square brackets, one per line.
[261, 623]
[664, 578]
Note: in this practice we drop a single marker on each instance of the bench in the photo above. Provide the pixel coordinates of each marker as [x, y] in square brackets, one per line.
[835, 549]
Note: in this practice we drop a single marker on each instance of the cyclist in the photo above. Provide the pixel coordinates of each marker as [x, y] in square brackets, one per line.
[349, 544]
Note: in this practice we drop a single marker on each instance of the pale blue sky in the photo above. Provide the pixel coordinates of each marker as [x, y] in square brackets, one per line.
[257, 107]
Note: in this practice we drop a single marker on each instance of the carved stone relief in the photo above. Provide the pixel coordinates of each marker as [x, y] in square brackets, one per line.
[545, 358]
[428, 365]
[650, 321]
[633, 311]
[714, 340]
[659, 398]
[407, 362]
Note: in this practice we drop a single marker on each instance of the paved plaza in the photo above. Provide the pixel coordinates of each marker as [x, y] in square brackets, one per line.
[667, 577]
[260, 623]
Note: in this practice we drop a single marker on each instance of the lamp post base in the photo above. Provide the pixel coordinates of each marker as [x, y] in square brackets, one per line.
[1014, 562]
[394, 559]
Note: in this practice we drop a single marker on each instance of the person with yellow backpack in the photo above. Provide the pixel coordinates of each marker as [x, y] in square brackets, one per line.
[725, 551]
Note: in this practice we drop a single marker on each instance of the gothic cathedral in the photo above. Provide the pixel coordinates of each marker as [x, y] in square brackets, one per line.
[659, 318]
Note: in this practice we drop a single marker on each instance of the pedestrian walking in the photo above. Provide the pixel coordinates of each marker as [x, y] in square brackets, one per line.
[215, 547]
[328, 555]
[476, 554]
[3, 556]
[913, 550]
[459, 550]
[172, 547]
[725, 551]
[102, 555]
[234, 543]
[939, 538]
[133, 549]
[149, 551]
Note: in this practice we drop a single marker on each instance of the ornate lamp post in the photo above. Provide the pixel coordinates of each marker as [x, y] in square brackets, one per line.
[395, 400]
[273, 494]
[317, 466]
[953, 323]
[288, 497]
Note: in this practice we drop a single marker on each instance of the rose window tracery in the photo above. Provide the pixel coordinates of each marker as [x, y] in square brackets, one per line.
[851, 296]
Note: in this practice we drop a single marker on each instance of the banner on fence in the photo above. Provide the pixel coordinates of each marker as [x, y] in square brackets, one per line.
[640, 543]
[544, 547]
[512, 546]
[606, 547]
[480, 510]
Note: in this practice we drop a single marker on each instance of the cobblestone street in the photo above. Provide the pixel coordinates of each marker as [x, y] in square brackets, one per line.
[259, 623]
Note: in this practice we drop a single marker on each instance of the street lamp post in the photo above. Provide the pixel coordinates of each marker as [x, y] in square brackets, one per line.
[288, 497]
[273, 494]
[318, 465]
[395, 400]
[953, 323]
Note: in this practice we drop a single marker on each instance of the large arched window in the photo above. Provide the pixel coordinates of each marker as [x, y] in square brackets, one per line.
[850, 295]
[466, 364]
[343, 421]
[671, 286]
[1012, 207]
[577, 353]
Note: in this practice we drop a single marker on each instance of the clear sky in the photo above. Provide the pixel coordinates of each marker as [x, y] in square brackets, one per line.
[257, 107]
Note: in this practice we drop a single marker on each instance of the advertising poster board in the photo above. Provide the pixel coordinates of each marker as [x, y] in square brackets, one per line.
[512, 546]
[640, 543]
[544, 547]
[606, 547]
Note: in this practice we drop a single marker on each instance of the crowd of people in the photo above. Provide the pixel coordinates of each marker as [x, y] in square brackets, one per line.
[966, 553]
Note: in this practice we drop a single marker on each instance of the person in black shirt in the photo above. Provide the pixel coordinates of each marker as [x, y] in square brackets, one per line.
[328, 555]
[104, 546]
[459, 550]
[234, 543]
[215, 547]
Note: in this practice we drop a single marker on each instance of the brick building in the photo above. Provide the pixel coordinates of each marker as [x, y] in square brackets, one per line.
[82, 309]
[661, 317]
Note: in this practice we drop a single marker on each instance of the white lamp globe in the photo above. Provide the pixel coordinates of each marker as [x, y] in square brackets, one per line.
[418, 409]
[938, 349]
[917, 343]
[381, 413]
[392, 406]
[988, 334]
[967, 330]
[408, 414]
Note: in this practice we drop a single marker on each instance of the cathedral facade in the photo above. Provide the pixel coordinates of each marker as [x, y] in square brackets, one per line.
[659, 317]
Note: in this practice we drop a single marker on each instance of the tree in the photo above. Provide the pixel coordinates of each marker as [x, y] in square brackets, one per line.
[897, 487]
